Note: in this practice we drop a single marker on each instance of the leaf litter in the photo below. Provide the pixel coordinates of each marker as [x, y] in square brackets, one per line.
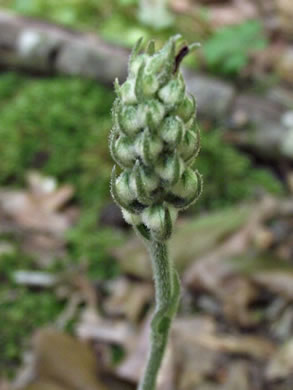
[235, 323]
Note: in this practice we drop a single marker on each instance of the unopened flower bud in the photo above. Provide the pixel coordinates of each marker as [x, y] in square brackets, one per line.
[173, 92]
[150, 180]
[124, 151]
[131, 218]
[154, 111]
[190, 146]
[162, 62]
[187, 186]
[148, 147]
[123, 188]
[172, 130]
[170, 169]
[127, 92]
[186, 110]
[131, 119]
[135, 64]
[159, 220]
[150, 85]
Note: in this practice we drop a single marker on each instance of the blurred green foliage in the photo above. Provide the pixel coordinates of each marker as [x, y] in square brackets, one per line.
[22, 310]
[227, 51]
[229, 176]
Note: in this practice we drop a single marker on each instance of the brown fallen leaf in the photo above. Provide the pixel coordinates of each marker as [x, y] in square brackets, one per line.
[217, 274]
[38, 208]
[237, 377]
[202, 331]
[127, 298]
[36, 215]
[235, 13]
[65, 360]
[281, 364]
[279, 282]
[195, 348]
[283, 65]
[193, 362]
[96, 328]
[284, 10]
[45, 385]
[4, 385]
[210, 269]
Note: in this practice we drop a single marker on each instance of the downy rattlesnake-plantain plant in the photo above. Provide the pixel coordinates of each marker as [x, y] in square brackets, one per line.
[155, 141]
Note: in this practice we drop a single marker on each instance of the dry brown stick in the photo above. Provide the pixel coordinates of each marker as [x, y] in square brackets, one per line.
[44, 47]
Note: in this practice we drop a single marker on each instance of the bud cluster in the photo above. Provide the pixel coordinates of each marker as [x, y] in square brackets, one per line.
[155, 140]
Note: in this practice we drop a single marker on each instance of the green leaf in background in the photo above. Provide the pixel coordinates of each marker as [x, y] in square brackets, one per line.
[228, 50]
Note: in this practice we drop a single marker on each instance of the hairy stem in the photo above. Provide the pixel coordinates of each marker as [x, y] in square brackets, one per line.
[167, 287]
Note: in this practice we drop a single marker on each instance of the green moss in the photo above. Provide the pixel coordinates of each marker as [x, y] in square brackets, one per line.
[229, 175]
[22, 310]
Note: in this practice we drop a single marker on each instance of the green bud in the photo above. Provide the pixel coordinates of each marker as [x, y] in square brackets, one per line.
[131, 119]
[187, 186]
[123, 188]
[123, 151]
[170, 168]
[161, 63]
[173, 92]
[150, 180]
[172, 130]
[127, 92]
[159, 220]
[154, 112]
[138, 186]
[135, 64]
[150, 85]
[186, 109]
[190, 145]
[132, 219]
[148, 147]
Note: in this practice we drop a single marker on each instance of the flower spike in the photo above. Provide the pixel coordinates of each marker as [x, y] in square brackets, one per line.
[155, 140]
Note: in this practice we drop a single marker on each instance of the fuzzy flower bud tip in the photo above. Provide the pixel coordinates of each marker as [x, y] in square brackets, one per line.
[155, 140]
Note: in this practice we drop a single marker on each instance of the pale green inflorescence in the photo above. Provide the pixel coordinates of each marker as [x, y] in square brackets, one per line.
[155, 140]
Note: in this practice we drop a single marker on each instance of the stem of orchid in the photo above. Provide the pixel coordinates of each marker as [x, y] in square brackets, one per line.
[167, 287]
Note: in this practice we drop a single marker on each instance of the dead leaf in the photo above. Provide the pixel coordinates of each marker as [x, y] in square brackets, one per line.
[64, 360]
[207, 336]
[45, 385]
[94, 327]
[284, 10]
[284, 64]
[279, 282]
[38, 208]
[4, 385]
[237, 377]
[127, 298]
[36, 215]
[217, 274]
[281, 364]
[239, 12]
